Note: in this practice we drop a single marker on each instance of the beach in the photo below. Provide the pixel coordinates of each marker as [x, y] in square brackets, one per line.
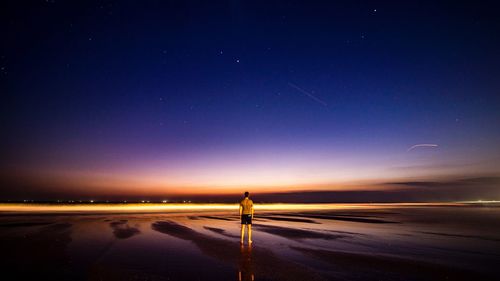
[291, 242]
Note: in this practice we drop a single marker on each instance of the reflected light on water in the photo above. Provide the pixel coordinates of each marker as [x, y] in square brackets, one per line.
[245, 264]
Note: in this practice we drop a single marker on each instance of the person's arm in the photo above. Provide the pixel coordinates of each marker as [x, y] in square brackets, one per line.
[241, 209]
[252, 210]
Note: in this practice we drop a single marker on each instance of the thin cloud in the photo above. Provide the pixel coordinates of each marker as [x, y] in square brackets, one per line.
[311, 96]
[422, 145]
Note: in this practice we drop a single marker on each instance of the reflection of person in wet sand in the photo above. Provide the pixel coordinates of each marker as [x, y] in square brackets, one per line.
[246, 213]
[245, 267]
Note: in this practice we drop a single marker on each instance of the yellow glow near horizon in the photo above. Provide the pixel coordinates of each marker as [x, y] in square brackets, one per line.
[186, 207]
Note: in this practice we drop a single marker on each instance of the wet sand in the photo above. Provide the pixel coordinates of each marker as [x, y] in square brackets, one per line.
[386, 242]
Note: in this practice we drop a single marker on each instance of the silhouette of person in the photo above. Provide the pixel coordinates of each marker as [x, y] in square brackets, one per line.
[245, 265]
[246, 213]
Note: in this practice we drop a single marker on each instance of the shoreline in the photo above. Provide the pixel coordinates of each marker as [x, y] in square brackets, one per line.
[182, 207]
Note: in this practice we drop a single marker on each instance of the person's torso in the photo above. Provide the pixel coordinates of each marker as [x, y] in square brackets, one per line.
[247, 205]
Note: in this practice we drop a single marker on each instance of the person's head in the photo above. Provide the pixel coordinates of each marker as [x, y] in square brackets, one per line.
[246, 193]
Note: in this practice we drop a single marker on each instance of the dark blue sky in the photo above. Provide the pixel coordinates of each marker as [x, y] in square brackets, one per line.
[159, 96]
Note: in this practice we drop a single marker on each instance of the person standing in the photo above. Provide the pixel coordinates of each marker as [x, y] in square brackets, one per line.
[246, 213]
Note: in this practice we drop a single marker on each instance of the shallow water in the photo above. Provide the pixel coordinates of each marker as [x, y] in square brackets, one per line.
[383, 242]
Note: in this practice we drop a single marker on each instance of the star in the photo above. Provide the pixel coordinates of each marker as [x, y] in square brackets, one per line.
[237, 60]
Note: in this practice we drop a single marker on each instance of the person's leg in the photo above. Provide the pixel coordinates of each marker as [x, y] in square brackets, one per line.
[242, 233]
[249, 233]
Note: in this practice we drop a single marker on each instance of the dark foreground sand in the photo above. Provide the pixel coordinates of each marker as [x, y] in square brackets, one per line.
[384, 243]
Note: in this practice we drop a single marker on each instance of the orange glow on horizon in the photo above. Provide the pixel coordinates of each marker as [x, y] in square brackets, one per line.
[98, 184]
[71, 185]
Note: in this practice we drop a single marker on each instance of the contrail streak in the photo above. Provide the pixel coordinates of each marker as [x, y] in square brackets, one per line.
[307, 94]
[422, 145]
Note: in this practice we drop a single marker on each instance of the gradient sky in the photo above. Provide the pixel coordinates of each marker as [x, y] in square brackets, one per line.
[156, 98]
